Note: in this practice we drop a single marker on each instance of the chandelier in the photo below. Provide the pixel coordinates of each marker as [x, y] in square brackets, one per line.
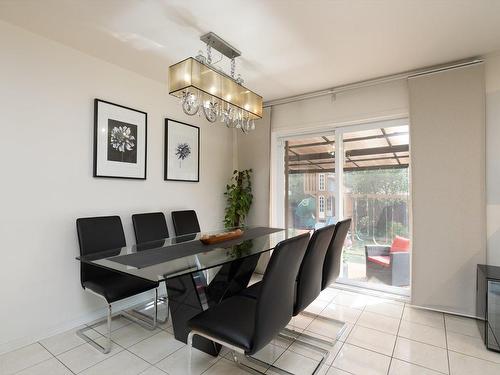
[204, 88]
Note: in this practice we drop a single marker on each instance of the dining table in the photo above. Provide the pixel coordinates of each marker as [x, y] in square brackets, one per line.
[197, 275]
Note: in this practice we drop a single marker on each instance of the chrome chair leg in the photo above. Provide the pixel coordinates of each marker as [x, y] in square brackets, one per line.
[317, 339]
[238, 351]
[103, 349]
[144, 320]
[163, 300]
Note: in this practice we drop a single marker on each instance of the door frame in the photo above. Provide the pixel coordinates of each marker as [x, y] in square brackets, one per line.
[277, 183]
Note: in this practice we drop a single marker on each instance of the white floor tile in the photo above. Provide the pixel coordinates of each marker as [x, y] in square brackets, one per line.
[404, 368]
[329, 294]
[317, 306]
[353, 300]
[225, 367]
[300, 321]
[65, 341]
[157, 347]
[153, 371]
[176, 363]
[20, 359]
[116, 323]
[425, 355]
[131, 334]
[472, 346]
[85, 356]
[341, 313]
[269, 353]
[49, 367]
[325, 328]
[361, 361]
[296, 363]
[461, 364]
[372, 339]
[316, 354]
[379, 322]
[462, 325]
[123, 363]
[336, 371]
[423, 333]
[385, 308]
[430, 318]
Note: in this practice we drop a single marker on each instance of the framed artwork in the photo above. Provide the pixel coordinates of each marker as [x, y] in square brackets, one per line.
[182, 151]
[120, 141]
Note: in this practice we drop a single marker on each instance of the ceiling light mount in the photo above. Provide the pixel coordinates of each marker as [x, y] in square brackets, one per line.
[216, 42]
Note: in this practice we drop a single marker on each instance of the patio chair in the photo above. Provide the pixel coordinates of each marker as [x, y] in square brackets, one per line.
[389, 263]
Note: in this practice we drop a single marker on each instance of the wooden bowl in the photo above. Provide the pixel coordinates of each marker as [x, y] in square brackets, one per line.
[221, 237]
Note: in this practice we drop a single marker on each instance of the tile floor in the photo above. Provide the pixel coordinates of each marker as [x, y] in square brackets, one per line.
[383, 337]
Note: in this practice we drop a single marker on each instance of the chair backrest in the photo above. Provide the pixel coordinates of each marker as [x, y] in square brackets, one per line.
[310, 277]
[276, 298]
[150, 226]
[331, 267]
[96, 234]
[185, 222]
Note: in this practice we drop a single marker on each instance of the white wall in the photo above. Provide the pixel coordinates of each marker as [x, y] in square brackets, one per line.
[492, 73]
[46, 139]
[254, 152]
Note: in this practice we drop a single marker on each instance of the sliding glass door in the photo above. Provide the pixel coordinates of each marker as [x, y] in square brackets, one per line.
[371, 188]
[310, 181]
[376, 197]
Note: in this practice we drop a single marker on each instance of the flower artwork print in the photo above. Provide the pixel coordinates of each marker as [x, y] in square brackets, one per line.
[122, 141]
[182, 151]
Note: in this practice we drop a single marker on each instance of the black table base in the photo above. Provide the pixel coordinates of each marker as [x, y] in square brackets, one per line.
[190, 294]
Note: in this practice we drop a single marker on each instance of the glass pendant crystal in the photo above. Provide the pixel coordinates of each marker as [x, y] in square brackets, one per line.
[190, 103]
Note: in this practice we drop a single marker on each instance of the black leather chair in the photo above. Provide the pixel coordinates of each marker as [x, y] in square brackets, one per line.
[309, 281]
[333, 258]
[246, 325]
[97, 234]
[149, 229]
[309, 278]
[185, 222]
[150, 226]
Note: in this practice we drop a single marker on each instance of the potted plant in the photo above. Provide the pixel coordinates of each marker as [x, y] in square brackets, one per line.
[239, 198]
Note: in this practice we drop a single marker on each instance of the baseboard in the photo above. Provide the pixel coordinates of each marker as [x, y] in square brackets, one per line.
[85, 319]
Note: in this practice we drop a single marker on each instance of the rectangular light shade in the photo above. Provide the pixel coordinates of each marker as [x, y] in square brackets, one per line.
[190, 73]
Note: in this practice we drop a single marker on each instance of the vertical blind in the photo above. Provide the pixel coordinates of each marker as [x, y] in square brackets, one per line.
[447, 136]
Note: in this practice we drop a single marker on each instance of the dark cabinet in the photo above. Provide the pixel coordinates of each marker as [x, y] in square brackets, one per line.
[488, 305]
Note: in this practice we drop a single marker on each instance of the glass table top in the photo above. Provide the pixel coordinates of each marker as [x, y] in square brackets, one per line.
[175, 256]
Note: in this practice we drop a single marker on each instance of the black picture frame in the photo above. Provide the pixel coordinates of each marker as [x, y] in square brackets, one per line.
[168, 175]
[98, 158]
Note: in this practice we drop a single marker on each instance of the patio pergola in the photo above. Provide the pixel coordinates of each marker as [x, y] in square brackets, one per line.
[383, 148]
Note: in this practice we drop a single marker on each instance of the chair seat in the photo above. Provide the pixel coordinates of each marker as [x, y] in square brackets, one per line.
[382, 260]
[252, 291]
[117, 286]
[232, 321]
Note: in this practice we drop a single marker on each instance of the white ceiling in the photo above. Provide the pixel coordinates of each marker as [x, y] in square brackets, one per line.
[289, 47]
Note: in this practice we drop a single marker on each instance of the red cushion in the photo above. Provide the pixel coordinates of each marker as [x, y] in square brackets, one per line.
[383, 260]
[400, 244]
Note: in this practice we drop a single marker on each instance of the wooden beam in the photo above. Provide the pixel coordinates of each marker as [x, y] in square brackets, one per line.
[358, 152]
[332, 170]
[368, 137]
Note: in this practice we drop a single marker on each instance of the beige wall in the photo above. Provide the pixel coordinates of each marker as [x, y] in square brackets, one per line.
[46, 95]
